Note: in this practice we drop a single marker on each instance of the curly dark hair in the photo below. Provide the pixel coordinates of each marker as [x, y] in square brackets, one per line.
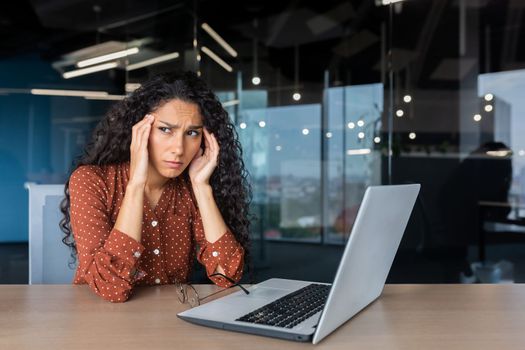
[111, 139]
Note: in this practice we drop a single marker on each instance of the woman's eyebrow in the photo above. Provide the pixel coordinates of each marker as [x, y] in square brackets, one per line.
[175, 126]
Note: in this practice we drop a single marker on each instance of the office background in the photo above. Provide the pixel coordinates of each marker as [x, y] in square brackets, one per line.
[328, 98]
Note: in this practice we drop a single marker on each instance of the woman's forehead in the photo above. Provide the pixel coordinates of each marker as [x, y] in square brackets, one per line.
[177, 111]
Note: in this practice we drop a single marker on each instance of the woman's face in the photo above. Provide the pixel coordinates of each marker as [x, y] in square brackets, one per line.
[175, 137]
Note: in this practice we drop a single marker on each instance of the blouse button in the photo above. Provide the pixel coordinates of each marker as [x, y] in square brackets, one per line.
[154, 223]
[215, 254]
[157, 280]
[156, 251]
[136, 254]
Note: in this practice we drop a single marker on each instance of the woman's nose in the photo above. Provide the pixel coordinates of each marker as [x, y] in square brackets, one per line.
[177, 145]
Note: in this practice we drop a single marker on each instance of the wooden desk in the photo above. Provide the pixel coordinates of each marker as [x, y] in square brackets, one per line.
[405, 317]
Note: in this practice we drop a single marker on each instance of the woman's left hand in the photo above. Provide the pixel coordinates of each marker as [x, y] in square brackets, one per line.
[204, 162]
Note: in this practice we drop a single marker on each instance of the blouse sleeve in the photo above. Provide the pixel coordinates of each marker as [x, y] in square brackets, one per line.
[226, 251]
[107, 257]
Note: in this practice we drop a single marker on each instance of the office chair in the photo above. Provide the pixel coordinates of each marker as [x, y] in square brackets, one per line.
[48, 257]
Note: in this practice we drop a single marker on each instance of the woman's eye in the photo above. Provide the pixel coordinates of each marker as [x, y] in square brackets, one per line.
[193, 133]
[164, 130]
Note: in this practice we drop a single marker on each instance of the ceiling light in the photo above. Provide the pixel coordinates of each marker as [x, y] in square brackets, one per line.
[400, 113]
[488, 108]
[361, 135]
[306, 131]
[217, 59]
[360, 123]
[108, 97]
[296, 96]
[354, 152]
[230, 103]
[407, 98]
[130, 87]
[152, 61]
[262, 123]
[328, 135]
[107, 57]
[412, 135]
[387, 2]
[477, 117]
[377, 139]
[89, 70]
[74, 93]
[242, 125]
[489, 97]
[500, 153]
[351, 125]
[219, 39]
[256, 80]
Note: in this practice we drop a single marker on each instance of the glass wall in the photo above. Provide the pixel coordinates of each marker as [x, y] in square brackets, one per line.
[456, 69]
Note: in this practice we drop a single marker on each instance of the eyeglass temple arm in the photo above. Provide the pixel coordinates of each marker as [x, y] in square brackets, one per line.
[231, 281]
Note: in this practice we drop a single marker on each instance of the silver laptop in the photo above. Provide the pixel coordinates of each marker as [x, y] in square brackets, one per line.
[306, 311]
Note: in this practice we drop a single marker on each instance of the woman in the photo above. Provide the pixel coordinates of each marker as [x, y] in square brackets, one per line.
[162, 181]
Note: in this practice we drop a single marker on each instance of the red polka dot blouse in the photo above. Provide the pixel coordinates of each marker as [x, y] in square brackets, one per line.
[111, 262]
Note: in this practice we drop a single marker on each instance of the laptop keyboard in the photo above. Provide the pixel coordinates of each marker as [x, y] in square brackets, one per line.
[292, 309]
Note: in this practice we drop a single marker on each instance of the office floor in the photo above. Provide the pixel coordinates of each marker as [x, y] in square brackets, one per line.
[316, 263]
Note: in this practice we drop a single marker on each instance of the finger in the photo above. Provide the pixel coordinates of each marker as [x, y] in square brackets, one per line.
[139, 133]
[134, 135]
[138, 130]
[143, 135]
[141, 122]
[207, 144]
[137, 126]
[205, 152]
[214, 146]
[215, 143]
[206, 134]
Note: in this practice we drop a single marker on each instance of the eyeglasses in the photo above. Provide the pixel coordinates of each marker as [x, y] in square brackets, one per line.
[188, 294]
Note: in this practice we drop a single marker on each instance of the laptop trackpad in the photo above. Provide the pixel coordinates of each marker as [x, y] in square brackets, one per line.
[233, 306]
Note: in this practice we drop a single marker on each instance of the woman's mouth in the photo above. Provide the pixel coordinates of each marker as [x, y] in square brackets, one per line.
[174, 165]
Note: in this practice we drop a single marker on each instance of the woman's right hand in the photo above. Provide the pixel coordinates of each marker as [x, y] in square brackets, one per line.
[138, 173]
